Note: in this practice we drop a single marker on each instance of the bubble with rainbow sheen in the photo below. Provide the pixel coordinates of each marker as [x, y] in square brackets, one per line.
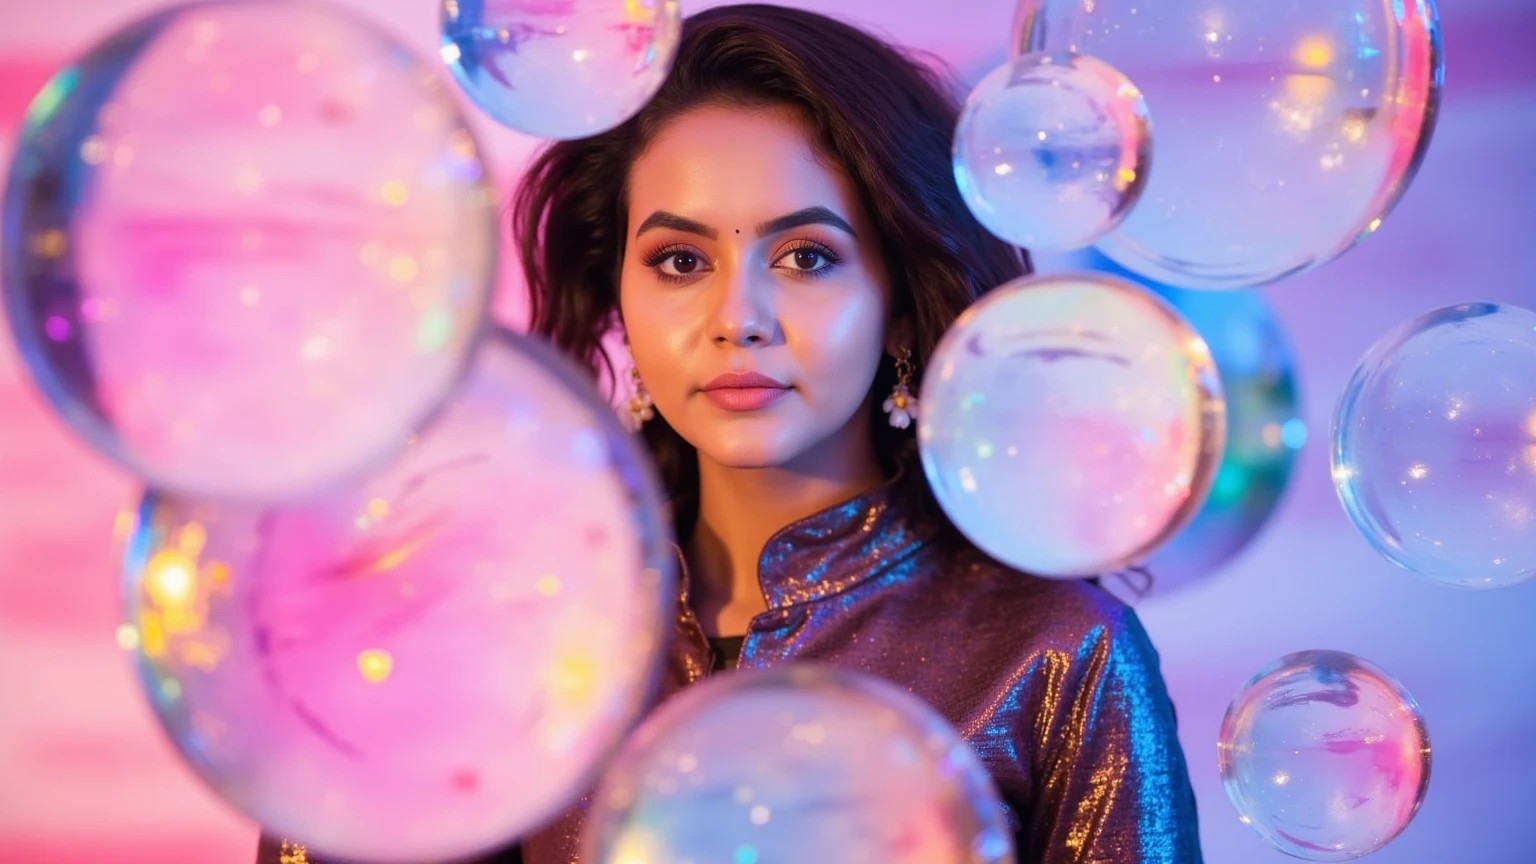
[248, 246]
[429, 663]
[1337, 100]
[1052, 150]
[1071, 424]
[797, 763]
[1434, 445]
[1325, 756]
[560, 69]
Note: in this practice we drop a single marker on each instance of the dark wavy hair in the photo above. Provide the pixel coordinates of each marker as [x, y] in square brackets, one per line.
[882, 115]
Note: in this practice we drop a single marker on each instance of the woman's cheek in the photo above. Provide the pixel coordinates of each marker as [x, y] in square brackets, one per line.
[839, 344]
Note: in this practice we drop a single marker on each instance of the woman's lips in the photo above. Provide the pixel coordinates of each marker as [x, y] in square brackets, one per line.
[745, 391]
[745, 398]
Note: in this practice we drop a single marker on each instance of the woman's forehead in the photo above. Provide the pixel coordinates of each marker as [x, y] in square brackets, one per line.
[727, 162]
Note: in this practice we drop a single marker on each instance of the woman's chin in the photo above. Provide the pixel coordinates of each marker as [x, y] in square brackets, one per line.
[743, 449]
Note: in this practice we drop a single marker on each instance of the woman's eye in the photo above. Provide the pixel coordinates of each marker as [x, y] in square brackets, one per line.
[680, 264]
[805, 260]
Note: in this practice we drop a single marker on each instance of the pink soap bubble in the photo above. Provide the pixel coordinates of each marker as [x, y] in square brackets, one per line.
[248, 246]
[427, 664]
[1325, 756]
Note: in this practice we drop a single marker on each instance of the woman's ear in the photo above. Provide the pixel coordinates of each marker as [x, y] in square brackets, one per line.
[898, 336]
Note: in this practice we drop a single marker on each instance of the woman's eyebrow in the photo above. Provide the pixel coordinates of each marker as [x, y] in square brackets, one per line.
[665, 219]
[808, 216]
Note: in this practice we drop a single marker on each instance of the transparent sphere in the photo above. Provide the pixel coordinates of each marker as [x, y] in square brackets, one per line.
[428, 664]
[560, 68]
[1052, 150]
[1434, 445]
[247, 246]
[1325, 756]
[798, 763]
[1070, 424]
[1285, 131]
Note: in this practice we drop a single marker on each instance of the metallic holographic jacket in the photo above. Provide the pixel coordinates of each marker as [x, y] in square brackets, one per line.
[1054, 683]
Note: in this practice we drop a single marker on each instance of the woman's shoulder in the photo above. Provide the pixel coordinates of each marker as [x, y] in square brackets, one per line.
[1067, 613]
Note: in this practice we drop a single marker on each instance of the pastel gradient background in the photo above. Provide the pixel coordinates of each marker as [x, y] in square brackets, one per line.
[85, 777]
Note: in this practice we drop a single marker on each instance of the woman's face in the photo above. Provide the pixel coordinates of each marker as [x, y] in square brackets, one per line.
[752, 288]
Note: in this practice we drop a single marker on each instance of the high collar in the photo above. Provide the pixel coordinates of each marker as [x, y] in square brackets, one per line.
[830, 551]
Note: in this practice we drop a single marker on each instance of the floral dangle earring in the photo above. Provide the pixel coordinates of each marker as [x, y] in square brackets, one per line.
[902, 406]
[641, 408]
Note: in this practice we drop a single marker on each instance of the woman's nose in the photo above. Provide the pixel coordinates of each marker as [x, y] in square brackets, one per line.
[743, 312]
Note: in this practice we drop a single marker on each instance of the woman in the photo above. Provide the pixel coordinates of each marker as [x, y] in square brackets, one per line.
[780, 238]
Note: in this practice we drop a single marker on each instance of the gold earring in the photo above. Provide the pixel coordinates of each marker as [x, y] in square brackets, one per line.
[902, 406]
[641, 408]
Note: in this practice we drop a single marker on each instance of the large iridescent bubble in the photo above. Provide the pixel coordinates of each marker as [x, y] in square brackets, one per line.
[248, 246]
[1071, 424]
[1052, 150]
[797, 764]
[425, 665]
[1434, 445]
[560, 68]
[1325, 756]
[1286, 131]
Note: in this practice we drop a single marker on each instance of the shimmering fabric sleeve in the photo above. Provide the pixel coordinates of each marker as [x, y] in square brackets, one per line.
[1112, 784]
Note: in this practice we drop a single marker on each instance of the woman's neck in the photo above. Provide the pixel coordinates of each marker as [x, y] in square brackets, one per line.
[740, 509]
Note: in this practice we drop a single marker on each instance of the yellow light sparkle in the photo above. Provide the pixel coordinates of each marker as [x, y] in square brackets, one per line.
[395, 557]
[1419, 471]
[375, 665]
[396, 193]
[574, 678]
[170, 578]
[151, 635]
[1314, 52]
[378, 508]
[1354, 129]
[403, 268]
[548, 585]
